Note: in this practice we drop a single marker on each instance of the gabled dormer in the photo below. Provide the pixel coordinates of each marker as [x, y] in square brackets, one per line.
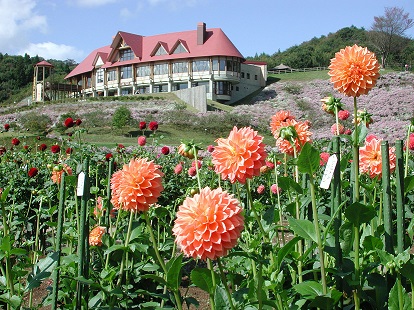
[160, 49]
[99, 60]
[125, 46]
[180, 47]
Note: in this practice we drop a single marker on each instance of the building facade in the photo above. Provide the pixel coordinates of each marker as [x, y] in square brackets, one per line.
[135, 64]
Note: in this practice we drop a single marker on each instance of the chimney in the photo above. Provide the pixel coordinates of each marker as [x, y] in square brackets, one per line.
[201, 33]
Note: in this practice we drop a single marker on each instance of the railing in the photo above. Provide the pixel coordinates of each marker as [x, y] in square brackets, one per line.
[291, 70]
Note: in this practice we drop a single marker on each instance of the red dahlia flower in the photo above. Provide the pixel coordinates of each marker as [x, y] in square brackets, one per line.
[55, 148]
[165, 150]
[142, 125]
[32, 172]
[15, 141]
[6, 127]
[153, 126]
[68, 122]
[42, 147]
[78, 122]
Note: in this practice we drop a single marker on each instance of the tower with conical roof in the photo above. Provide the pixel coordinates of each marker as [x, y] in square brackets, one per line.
[39, 80]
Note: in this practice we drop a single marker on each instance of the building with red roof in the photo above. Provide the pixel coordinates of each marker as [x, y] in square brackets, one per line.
[134, 64]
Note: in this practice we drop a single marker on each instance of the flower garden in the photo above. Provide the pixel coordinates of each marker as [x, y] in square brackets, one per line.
[300, 224]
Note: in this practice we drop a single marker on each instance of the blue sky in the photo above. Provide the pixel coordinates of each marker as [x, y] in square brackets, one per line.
[71, 29]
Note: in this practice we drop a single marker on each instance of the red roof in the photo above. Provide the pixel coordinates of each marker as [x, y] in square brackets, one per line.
[43, 64]
[216, 43]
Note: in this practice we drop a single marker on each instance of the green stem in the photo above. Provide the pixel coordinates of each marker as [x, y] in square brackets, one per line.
[213, 279]
[400, 292]
[357, 268]
[318, 234]
[121, 270]
[256, 216]
[223, 279]
[299, 245]
[9, 276]
[160, 259]
[196, 166]
[356, 153]
[412, 295]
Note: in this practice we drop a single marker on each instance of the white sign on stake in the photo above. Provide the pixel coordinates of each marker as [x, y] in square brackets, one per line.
[81, 183]
[329, 171]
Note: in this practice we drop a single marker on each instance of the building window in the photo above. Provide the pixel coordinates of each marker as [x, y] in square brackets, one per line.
[126, 54]
[215, 65]
[242, 75]
[180, 49]
[222, 88]
[143, 90]
[229, 65]
[222, 65]
[111, 75]
[248, 76]
[160, 51]
[143, 71]
[201, 65]
[163, 88]
[126, 91]
[99, 76]
[180, 67]
[206, 84]
[255, 77]
[126, 72]
[179, 86]
[237, 88]
[160, 69]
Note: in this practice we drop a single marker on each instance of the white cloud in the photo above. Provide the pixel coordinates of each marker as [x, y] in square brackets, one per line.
[18, 19]
[49, 50]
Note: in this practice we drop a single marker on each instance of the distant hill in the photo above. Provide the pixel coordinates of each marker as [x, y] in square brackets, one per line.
[318, 51]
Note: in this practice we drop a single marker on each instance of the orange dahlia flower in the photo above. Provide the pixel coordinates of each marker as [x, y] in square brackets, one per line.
[95, 236]
[240, 156]
[278, 120]
[370, 158]
[136, 186]
[57, 174]
[209, 224]
[354, 71]
[303, 136]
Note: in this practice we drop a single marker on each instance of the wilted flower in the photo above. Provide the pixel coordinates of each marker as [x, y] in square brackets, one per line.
[55, 148]
[209, 224]
[165, 150]
[69, 150]
[275, 189]
[370, 158]
[42, 147]
[343, 115]
[324, 158]
[142, 140]
[142, 125]
[354, 71]
[260, 189]
[178, 168]
[153, 126]
[68, 122]
[78, 122]
[15, 141]
[2, 150]
[337, 128]
[32, 172]
[6, 127]
[136, 186]
[95, 236]
[192, 171]
[240, 156]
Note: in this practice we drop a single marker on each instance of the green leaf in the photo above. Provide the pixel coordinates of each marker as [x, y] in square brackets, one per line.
[136, 232]
[287, 183]
[309, 289]
[303, 228]
[372, 243]
[221, 301]
[154, 277]
[323, 302]
[5, 193]
[358, 213]
[408, 184]
[174, 272]
[115, 247]
[309, 159]
[393, 303]
[408, 270]
[285, 250]
[201, 277]
[42, 270]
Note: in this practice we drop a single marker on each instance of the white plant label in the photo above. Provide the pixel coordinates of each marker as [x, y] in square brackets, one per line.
[81, 182]
[329, 171]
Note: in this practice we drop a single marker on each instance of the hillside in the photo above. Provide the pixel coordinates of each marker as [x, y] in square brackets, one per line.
[390, 104]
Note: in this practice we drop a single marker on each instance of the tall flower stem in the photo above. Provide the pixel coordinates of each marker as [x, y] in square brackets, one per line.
[9, 276]
[213, 280]
[299, 245]
[223, 279]
[407, 151]
[251, 206]
[160, 259]
[355, 165]
[399, 189]
[126, 244]
[318, 234]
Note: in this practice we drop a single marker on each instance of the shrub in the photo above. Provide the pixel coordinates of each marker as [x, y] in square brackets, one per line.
[37, 123]
[293, 89]
[122, 117]
[95, 118]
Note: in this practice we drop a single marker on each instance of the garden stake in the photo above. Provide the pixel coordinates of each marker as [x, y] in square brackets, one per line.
[386, 192]
[83, 235]
[58, 246]
[399, 184]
